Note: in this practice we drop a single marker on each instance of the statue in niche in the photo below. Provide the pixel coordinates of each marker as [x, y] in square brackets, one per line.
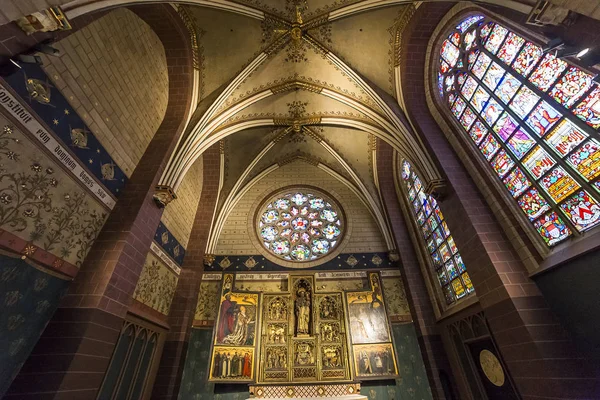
[329, 308]
[303, 312]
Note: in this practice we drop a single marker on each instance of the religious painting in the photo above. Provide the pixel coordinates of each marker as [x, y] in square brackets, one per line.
[236, 325]
[366, 312]
[374, 361]
[232, 364]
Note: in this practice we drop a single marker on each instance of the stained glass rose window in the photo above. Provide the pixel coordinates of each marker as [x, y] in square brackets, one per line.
[300, 226]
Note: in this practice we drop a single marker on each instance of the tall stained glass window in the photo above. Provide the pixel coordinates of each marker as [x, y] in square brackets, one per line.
[533, 117]
[300, 226]
[448, 265]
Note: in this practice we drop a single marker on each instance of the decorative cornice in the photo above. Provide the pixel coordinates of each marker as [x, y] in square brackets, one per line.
[195, 33]
[296, 85]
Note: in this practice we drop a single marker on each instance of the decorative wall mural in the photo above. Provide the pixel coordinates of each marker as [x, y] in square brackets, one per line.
[41, 203]
[156, 285]
[207, 306]
[396, 301]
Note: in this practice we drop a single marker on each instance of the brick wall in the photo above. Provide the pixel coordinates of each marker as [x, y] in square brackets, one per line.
[237, 237]
[179, 215]
[103, 71]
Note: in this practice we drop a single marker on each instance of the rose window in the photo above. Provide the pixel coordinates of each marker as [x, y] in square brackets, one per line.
[300, 226]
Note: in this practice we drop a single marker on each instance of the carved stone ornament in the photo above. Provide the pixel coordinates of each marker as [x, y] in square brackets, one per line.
[209, 259]
[437, 188]
[163, 196]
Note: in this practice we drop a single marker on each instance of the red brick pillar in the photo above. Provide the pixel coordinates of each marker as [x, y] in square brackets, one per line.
[184, 302]
[538, 352]
[73, 353]
[421, 307]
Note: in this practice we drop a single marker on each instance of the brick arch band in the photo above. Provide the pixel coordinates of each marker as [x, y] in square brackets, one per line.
[72, 354]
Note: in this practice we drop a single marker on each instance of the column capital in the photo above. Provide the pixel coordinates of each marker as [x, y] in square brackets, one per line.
[163, 195]
[437, 188]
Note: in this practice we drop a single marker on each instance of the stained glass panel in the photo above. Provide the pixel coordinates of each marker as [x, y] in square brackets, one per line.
[459, 263]
[467, 23]
[547, 72]
[552, 228]
[520, 143]
[589, 109]
[559, 184]
[507, 88]
[481, 65]
[572, 86]
[538, 162]
[442, 277]
[586, 159]
[495, 39]
[543, 118]
[489, 147]
[524, 122]
[565, 137]
[450, 53]
[478, 131]
[467, 281]
[524, 102]
[458, 107]
[502, 163]
[582, 210]
[516, 182]
[451, 269]
[479, 99]
[293, 233]
[459, 289]
[493, 76]
[468, 118]
[505, 126]
[491, 112]
[528, 58]
[533, 204]
[510, 48]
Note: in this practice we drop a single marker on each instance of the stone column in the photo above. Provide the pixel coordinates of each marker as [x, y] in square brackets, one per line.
[184, 302]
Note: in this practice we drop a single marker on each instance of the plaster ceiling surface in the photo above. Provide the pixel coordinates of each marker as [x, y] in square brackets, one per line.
[354, 146]
[297, 145]
[227, 42]
[315, 68]
[366, 43]
[240, 151]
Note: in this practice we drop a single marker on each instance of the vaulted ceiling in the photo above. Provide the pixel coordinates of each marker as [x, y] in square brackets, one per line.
[310, 79]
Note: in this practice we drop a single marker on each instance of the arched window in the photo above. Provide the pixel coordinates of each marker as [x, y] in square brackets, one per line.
[447, 263]
[533, 117]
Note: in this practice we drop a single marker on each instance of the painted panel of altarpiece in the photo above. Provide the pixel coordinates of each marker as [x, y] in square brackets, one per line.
[234, 335]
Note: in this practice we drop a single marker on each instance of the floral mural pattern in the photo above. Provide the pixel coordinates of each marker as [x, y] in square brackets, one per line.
[397, 302]
[208, 301]
[156, 285]
[40, 203]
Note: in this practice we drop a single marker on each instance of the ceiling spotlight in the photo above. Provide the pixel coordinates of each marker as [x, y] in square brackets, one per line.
[583, 52]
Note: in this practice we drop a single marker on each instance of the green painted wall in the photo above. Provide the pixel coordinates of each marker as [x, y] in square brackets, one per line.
[412, 382]
[194, 385]
[28, 298]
